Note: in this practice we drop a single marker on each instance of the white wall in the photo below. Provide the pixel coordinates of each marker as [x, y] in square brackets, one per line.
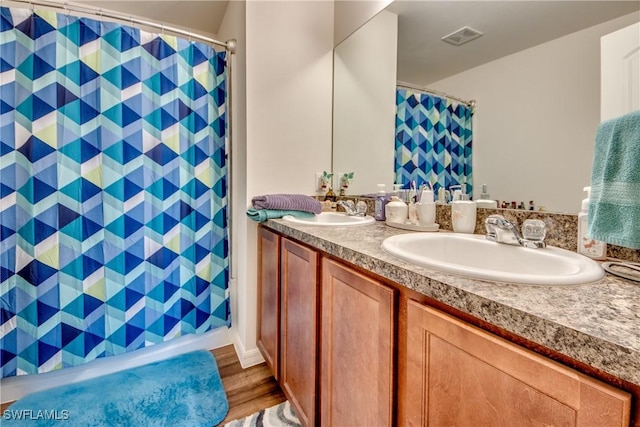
[537, 114]
[289, 50]
[234, 27]
[364, 104]
[350, 15]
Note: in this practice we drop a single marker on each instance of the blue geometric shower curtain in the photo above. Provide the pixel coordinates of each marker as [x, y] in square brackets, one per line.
[113, 231]
[433, 141]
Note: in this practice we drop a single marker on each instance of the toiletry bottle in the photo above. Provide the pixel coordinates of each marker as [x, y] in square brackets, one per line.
[484, 195]
[463, 212]
[413, 210]
[396, 210]
[380, 203]
[444, 196]
[330, 196]
[586, 246]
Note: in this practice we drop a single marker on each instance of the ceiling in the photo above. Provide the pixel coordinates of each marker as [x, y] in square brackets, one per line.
[508, 27]
[201, 16]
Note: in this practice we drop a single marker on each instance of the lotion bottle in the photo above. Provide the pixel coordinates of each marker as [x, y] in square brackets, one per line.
[589, 247]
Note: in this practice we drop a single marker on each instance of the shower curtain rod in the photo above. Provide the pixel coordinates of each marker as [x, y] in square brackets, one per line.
[68, 6]
[470, 103]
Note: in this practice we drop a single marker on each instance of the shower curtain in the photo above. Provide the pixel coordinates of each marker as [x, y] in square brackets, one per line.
[113, 232]
[433, 141]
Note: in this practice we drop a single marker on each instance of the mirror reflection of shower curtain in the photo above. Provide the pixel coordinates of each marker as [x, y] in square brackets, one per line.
[433, 141]
[113, 197]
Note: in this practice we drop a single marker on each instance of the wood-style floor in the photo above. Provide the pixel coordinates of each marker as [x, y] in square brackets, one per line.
[248, 390]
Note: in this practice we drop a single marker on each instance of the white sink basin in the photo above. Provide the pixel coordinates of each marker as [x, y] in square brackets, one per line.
[331, 219]
[474, 256]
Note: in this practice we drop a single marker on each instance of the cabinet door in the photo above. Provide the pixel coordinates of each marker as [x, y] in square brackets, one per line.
[459, 375]
[268, 339]
[300, 293]
[356, 386]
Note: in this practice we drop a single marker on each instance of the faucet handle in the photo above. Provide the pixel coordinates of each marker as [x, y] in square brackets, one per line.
[534, 230]
[361, 208]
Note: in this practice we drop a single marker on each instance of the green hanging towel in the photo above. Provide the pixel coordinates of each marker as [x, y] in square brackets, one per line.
[614, 210]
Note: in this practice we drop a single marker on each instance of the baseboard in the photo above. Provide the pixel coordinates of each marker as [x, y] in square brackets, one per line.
[247, 358]
[13, 388]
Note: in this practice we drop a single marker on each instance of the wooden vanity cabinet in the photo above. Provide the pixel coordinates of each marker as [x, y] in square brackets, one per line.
[268, 331]
[357, 363]
[300, 293]
[454, 374]
[329, 334]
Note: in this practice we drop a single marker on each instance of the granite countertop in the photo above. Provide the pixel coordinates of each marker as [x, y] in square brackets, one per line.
[597, 324]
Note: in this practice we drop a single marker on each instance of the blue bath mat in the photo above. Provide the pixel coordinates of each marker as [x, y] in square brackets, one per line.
[182, 391]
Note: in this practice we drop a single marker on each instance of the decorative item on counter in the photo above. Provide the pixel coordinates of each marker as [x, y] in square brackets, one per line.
[330, 196]
[345, 180]
[325, 180]
[463, 212]
[380, 203]
[513, 205]
[396, 210]
[532, 206]
[587, 246]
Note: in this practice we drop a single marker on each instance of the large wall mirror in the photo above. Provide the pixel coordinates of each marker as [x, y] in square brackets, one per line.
[534, 73]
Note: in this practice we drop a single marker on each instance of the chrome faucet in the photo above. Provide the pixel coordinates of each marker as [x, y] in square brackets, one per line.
[501, 230]
[352, 209]
[349, 206]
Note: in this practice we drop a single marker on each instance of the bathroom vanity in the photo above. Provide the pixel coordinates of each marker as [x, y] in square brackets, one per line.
[355, 336]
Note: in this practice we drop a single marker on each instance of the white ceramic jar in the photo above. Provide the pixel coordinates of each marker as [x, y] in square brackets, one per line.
[396, 210]
[463, 216]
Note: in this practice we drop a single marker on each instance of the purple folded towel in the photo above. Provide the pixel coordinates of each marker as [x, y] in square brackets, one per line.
[295, 202]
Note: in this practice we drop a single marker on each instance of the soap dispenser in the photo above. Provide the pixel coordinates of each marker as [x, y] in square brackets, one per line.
[463, 212]
[380, 203]
[485, 200]
[586, 246]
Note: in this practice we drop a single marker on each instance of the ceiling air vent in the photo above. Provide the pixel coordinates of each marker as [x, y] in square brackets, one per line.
[462, 36]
